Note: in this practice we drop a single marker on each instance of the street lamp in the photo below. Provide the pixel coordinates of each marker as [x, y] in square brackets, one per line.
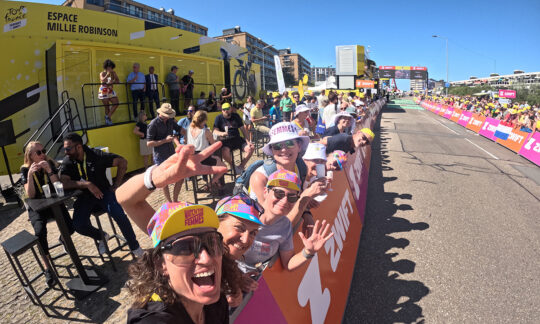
[264, 81]
[439, 36]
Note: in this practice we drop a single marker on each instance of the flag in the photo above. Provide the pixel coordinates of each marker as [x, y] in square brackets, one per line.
[320, 127]
[503, 130]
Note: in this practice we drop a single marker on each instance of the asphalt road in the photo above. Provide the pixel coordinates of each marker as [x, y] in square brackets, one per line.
[451, 231]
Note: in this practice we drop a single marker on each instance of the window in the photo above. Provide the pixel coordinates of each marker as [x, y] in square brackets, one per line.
[134, 10]
[95, 2]
[167, 21]
[154, 16]
[180, 24]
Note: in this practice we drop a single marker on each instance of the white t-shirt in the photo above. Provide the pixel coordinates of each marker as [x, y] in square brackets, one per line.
[328, 115]
[247, 113]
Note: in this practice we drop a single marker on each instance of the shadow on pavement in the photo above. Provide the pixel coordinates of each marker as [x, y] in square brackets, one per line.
[377, 293]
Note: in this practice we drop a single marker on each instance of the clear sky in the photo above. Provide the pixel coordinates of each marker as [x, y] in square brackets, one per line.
[399, 32]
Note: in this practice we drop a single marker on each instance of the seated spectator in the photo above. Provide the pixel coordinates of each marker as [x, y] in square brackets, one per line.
[185, 122]
[281, 192]
[200, 137]
[225, 97]
[201, 102]
[184, 277]
[257, 118]
[211, 102]
[348, 143]
[344, 122]
[275, 113]
[228, 126]
[84, 168]
[39, 170]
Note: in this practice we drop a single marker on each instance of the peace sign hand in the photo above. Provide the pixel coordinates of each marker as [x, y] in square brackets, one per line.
[317, 239]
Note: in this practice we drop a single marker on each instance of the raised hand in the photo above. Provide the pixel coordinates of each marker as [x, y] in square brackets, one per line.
[317, 239]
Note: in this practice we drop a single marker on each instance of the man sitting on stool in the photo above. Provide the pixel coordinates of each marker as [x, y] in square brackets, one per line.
[84, 168]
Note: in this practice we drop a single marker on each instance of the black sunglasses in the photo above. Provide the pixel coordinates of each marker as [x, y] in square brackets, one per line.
[247, 200]
[39, 152]
[186, 249]
[279, 146]
[280, 194]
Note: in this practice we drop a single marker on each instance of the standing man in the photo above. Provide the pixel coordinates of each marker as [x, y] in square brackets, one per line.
[137, 83]
[174, 88]
[227, 126]
[84, 168]
[188, 84]
[160, 137]
[152, 92]
[184, 123]
[286, 106]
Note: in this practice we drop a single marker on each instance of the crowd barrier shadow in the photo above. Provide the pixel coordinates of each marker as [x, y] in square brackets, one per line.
[377, 293]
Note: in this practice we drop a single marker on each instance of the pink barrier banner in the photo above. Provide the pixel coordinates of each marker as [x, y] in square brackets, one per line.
[448, 113]
[507, 93]
[489, 127]
[464, 118]
[531, 149]
[437, 109]
[443, 110]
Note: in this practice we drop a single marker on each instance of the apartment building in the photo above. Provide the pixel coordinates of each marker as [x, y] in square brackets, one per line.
[319, 74]
[294, 63]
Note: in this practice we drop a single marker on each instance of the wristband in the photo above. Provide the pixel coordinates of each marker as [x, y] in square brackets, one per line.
[307, 255]
[148, 183]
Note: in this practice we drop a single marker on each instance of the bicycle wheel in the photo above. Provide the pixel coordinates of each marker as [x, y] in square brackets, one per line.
[239, 85]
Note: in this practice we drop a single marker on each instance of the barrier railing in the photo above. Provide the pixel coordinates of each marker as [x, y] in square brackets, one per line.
[323, 283]
[522, 143]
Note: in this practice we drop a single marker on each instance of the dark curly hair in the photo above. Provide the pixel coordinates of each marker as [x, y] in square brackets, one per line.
[147, 278]
[108, 63]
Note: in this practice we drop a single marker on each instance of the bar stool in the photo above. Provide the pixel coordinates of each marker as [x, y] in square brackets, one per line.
[121, 242]
[259, 139]
[14, 247]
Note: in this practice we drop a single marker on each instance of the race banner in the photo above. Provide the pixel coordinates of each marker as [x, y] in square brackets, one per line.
[489, 127]
[464, 118]
[475, 122]
[448, 113]
[437, 109]
[443, 110]
[531, 149]
[455, 115]
[515, 140]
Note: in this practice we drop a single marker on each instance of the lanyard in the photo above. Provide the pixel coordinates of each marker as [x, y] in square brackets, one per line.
[85, 176]
[45, 181]
[297, 124]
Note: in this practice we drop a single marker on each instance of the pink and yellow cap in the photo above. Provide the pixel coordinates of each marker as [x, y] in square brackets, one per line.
[284, 179]
[340, 156]
[174, 218]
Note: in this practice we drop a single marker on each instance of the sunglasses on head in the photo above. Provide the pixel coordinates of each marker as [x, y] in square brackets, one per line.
[280, 194]
[225, 109]
[186, 249]
[281, 145]
[39, 152]
[247, 200]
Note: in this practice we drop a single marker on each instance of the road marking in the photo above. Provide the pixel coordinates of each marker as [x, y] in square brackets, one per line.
[453, 131]
[493, 156]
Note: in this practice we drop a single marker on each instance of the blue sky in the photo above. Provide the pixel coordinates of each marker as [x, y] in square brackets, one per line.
[398, 32]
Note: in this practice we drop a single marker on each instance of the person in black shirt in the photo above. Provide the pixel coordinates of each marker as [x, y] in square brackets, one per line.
[225, 96]
[84, 168]
[38, 170]
[348, 143]
[228, 126]
[342, 124]
[187, 85]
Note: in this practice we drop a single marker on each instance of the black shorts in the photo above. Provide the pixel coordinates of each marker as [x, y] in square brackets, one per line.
[210, 161]
[188, 94]
[235, 143]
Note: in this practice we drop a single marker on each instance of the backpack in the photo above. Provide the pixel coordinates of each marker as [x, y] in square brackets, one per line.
[242, 182]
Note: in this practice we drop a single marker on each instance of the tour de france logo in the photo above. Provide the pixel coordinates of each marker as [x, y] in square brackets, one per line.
[15, 18]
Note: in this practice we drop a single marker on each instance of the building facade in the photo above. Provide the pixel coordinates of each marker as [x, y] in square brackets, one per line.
[418, 85]
[139, 10]
[259, 52]
[294, 63]
[319, 74]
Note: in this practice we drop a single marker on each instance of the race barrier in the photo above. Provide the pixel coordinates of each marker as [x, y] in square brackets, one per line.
[523, 143]
[318, 291]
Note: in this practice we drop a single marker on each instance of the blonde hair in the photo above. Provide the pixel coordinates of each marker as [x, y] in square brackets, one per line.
[28, 150]
[199, 119]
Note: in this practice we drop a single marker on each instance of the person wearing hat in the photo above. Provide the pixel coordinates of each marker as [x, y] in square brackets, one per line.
[184, 277]
[160, 137]
[187, 85]
[174, 88]
[343, 123]
[301, 114]
[276, 236]
[348, 143]
[228, 126]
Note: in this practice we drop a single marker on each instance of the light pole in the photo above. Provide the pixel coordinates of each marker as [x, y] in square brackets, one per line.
[439, 36]
[263, 67]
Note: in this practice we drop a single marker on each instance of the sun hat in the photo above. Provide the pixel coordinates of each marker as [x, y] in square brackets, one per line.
[238, 207]
[281, 132]
[301, 108]
[166, 110]
[315, 151]
[284, 179]
[340, 157]
[174, 218]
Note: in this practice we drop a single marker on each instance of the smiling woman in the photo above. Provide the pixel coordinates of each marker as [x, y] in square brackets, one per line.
[185, 276]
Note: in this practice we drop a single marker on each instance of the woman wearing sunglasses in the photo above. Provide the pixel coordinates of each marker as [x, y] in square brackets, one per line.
[39, 170]
[276, 236]
[185, 276]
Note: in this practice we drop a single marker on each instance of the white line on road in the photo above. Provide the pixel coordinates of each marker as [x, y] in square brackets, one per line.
[493, 156]
[453, 131]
